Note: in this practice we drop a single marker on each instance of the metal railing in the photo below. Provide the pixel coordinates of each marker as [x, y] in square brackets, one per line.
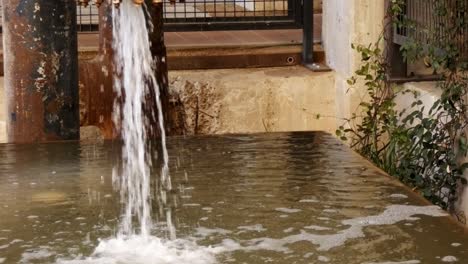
[87, 18]
[202, 15]
[426, 27]
[232, 15]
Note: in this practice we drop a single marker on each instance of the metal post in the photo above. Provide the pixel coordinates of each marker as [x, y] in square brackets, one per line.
[41, 70]
[308, 36]
[307, 32]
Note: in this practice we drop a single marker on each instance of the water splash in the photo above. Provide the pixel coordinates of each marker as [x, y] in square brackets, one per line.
[134, 83]
[134, 79]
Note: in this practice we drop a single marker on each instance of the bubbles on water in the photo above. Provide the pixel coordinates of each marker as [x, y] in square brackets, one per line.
[191, 205]
[207, 209]
[398, 196]
[2, 260]
[288, 210]
[456, 244]
[323, 259]
[206, 232]
[254, 228]
[317, 228]
[449, 259]
[392, 262]
[40, 254]
[309, 201]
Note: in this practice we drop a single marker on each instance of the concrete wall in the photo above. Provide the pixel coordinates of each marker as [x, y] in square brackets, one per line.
[345, 23]
[2, 113]
[256, 100]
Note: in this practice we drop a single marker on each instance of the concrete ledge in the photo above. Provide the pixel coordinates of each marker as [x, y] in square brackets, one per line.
[248, 100]
[255, 100]
[428, 93]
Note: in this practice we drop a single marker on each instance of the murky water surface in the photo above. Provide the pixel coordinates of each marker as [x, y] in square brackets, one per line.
[270, 198]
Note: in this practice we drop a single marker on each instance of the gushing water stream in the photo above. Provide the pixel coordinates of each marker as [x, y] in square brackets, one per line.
[135, 84]
[134, 79]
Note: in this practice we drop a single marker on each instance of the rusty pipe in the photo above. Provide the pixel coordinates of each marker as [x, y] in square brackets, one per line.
[41, 77]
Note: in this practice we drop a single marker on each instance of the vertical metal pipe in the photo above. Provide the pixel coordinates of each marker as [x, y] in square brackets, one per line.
[308, 32]
[41, 70]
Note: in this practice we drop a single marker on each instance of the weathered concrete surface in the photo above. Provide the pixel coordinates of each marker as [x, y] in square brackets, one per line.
[345, 23]
[255, 100]
[3, 136]
[248, 100]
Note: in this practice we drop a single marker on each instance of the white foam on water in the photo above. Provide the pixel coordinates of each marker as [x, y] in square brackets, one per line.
[456, 244]
[398, 196]
[309, 201]
[29, 257]
[323, 259]
[317, 228]
[393, 262]
[449, 259]
[191, 205]
[255, 228]
[392, 215]
[288, 210]
[148, 250]
[206, 232]
[2, 260]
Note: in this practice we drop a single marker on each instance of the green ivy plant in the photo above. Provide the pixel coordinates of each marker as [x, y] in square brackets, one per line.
[424, 148]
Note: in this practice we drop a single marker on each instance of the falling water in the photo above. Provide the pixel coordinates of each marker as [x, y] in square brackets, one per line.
[135, 83]
[134, 79]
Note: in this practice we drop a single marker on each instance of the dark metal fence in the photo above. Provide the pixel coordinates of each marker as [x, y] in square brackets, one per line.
[201, 15]
[232, 14]
[87, 18]
[427, 26]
